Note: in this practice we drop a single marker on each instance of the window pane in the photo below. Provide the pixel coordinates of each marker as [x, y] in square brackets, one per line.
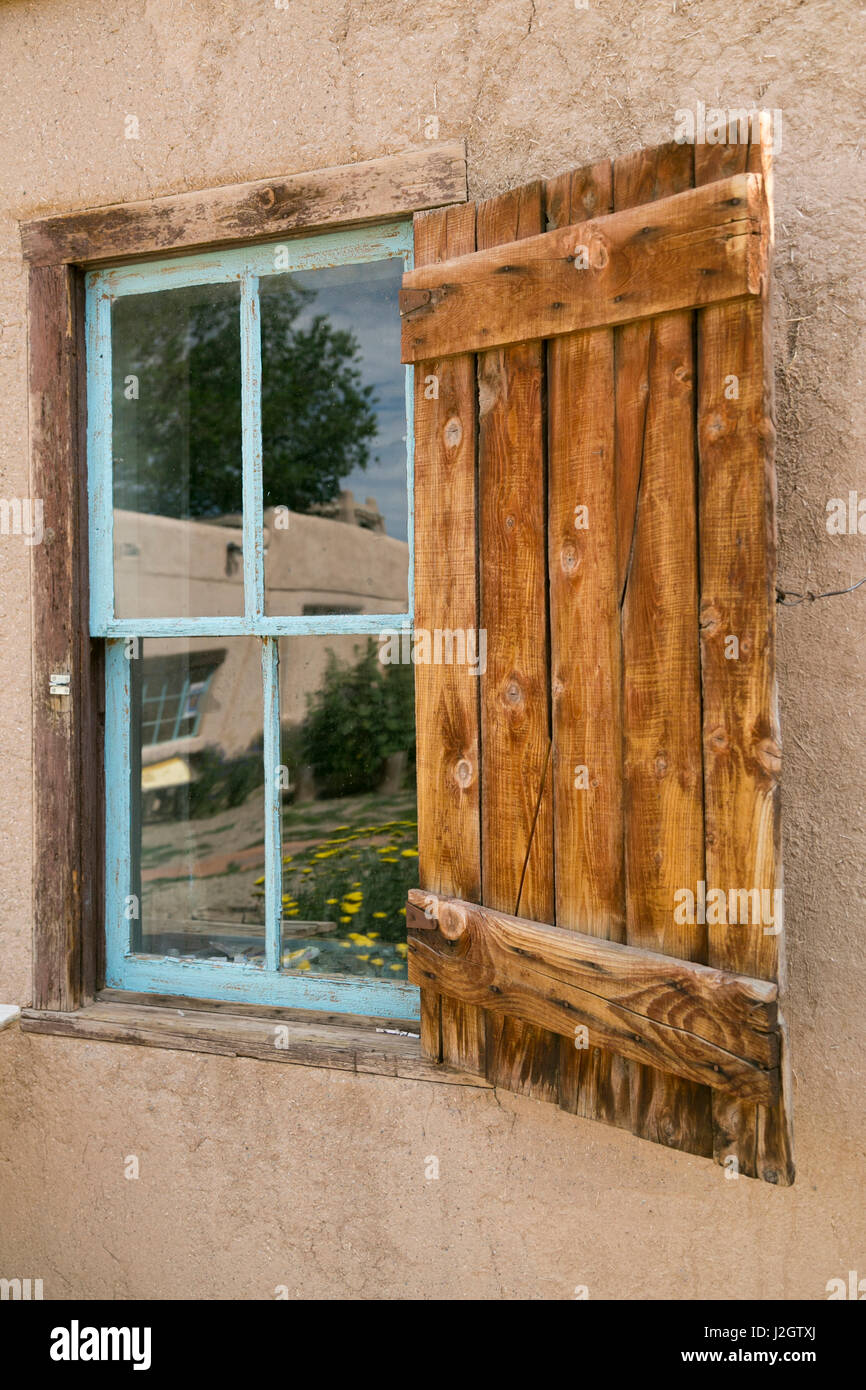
[334, 441]
[349, 819]
[176, 443]
[198, 798]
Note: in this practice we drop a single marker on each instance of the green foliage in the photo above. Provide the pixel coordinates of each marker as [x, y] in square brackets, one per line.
[220, 782]
[178, 445]
[361, 714]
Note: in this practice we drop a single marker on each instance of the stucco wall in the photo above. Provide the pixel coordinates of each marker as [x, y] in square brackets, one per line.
[254, 1176]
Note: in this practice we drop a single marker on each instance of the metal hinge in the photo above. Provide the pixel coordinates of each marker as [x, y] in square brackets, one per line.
[58, 683]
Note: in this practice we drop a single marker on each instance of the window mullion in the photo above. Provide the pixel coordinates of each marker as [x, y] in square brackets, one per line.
[273, 825]
[251, 424]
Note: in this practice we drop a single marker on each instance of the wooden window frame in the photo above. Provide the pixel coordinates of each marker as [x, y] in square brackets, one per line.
[69, 729]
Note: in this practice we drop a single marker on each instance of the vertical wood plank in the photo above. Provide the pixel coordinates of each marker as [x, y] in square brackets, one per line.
[67, 730]
[516, 798]
[742, 743]
[663, 810]
[446, 596]
[585, 650]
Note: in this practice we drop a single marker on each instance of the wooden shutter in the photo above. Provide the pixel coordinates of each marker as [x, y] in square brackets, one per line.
[600, 340]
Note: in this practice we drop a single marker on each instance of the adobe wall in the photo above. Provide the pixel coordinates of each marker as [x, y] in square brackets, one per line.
[254, 1176]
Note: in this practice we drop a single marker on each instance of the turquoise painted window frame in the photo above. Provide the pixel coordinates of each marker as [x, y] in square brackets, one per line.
[124, 968]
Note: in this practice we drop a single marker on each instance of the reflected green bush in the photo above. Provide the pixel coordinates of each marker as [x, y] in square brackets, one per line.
[361, 714]
[220, 782]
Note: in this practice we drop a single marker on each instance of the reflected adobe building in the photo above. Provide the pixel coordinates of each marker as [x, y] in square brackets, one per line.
[210, 693]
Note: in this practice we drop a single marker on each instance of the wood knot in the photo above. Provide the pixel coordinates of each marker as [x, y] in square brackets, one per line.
[769, 755]
[513, 693]
[267, 198]
[453, 433]
[599, 254]
[463, 773]
[710, 620]
[568, 559]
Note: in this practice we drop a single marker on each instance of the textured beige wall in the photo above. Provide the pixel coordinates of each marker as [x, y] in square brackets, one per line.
[252, 1175]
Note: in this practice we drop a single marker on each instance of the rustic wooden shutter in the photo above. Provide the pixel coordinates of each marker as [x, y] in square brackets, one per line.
[600, 340]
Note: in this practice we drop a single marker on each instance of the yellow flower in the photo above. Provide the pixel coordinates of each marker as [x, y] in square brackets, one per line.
[366, 957]
[288, 859]
[398, 966]
[293, 912]
[351, 908]
[354, 897]
[409, 853]
[331, 902]
[359, 938]
[344, 921]
[390, 861]
[357, 884]
[380, 914]
[402, 912]
[259, 880]
[372, 934]
[346, 944]
[377, 960]
[401, 948]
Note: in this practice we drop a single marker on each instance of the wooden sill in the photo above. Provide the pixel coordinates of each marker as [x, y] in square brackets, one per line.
[312, 1039]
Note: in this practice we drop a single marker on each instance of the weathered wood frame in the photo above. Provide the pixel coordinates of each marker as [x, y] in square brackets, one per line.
[68, 730]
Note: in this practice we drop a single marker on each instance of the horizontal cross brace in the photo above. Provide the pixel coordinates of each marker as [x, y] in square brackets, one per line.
[708, 1025]
[696, 248]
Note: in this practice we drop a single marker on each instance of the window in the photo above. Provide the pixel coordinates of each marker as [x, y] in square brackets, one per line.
[261, 825]
[172, 697]
[595, 526]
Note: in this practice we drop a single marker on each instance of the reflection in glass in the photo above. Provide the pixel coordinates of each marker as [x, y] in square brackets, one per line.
[350, 847]
[334, 433]
[198, 816]
[176, 445]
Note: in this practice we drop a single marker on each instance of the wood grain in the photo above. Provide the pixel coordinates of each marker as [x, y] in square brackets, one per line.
[664, 848]
[447, 710]
[516, 800]
[691, 1020]
[307, 1041]
[742, 742]
[340, 196]
[697, 248]
[585, 651]
[68, 818]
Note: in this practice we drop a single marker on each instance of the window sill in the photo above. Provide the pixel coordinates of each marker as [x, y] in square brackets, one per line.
[335, 1041]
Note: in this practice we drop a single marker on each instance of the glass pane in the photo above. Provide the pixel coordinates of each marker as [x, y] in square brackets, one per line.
[334, 441]
[350, 846]
[198, 798]
[176, 443]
